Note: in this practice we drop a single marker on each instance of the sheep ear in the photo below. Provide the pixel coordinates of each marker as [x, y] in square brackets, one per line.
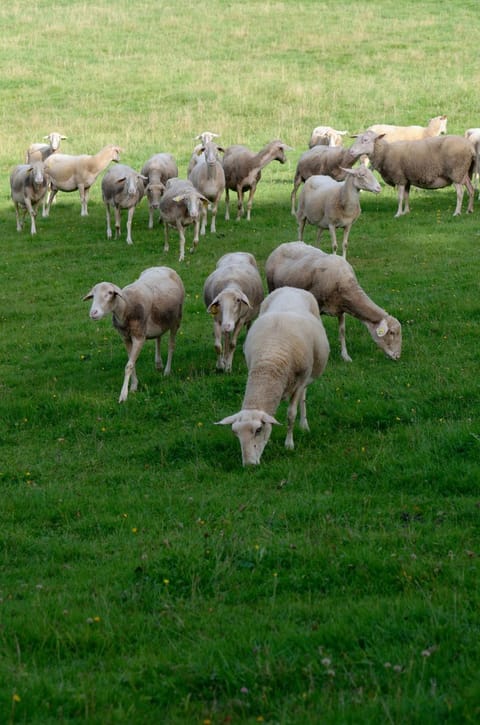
[382, 329]
[213, 307]
[88, 296]
[179, 197]
[348, 171]
[120, 181]
[229, 420]
[266, 418]
[244, 298]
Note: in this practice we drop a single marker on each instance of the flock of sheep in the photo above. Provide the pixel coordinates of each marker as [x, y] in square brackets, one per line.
[286, 347]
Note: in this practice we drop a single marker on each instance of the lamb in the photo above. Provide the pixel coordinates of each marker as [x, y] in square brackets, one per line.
[180, 206]
[333, 283]
[28, 185]
[435, 127]
[158, 169]
[473, 135]
[67, 173]
[143, 310]
[285, 350]
[326, 136]
[40, 151]
[325, 161]
[431, 163]
[208, 177]
[232, 293]
[243, 171]
[329, 204]
[122, 188]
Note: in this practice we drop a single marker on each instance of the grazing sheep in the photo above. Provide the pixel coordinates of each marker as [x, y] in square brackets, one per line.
[329, 204]
[285, 350]
[122, 188]
[243, 171]
[143, 310]
[333, 283]
[325, 161]
[180, 206]
[208, 177]
[430, 163]
[28, 186]
[158, 169]
[67, 173]
[473, 135]
[232, 293]
[435, 127]
[326, 136]
[40, 151]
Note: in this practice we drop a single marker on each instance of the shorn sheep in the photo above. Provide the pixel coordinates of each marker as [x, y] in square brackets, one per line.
[431, 163]
[232, 294]
[209, 178]
[326, 136]
[122, 188]
[473, 135]
[28, 186]
[328, 204]
[197, 154]
[243, 171]
[68, 173]
[179, 207]
[435, 127]
[333, 283]
[158, 169]
[285, 350]
[41, 151]
[143, 310]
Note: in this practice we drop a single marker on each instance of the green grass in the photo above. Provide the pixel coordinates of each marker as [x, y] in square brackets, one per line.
[145, 576]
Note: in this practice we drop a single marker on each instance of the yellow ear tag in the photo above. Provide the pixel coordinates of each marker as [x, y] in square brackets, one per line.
[382, 329]
[213, 309]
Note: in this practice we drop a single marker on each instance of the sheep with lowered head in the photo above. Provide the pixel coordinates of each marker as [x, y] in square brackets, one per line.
[143, 310]
[158, 169]
[232, 294]
[334, 285]
[285, 350]
[328, 204]
[431, 163]
[435, 127]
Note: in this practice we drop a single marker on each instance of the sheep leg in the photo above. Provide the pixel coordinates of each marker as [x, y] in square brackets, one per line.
[333, 236]
[292, 414]
[133, 349]
[471, 193]
[19, 216]
[150, 217]
[217, 331]
[181, 232]
[166, 246]
[250, 201]
[109, 225]
[51, 197]
[158, 355]
[346, 234]
[203, 215]
[230, 346]
[341, 335]
[240, 210]
[129, 224]
[213, 222]
[83, 191]
[171, 348]
[293, 195]
[227, 204]
[118, 221]
[401, 194]
[303, 411]
[33, 214]
[196, 229]
[301, 228]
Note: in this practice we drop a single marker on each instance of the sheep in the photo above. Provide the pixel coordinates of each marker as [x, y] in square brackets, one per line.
[329, 204]
[323, 160]
[243, 171]
[158, 169]
[197, 154]
[28, 186]
[209, 178]
[473, 135]
[232, 294]
[285, 350]
[67, 173]
[429, 163]
[40, 151]
[436, 126]
[122, 188]
[332, 281]
[326, 136]
[143, 310]
[180, 206]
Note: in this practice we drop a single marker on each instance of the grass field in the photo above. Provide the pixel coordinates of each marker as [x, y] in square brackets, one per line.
[145, 576]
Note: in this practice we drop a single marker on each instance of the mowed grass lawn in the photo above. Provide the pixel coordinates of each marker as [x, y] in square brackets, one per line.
[145, 576]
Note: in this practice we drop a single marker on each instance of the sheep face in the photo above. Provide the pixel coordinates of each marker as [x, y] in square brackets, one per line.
[104, 297]
[253, 429]
[388, 336]
[279, 152]
[228, 308]
[154, 194]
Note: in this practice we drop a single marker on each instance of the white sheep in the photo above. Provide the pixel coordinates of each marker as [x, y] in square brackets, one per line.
[158, 169]
[209, 178]
[431, 163]
[40, 151]
[179, 207]
[68, 173]
[143, 310]
[122, 188]
[232, 294]
[328, 204]
[473, 135]
[197, 154]
[326, 136]
[28, 186]
[285, 350]
[436, 126]
[324, 161]
[332, 281]
[243, 171]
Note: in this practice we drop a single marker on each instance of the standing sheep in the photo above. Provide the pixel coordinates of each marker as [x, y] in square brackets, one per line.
[41, 151]
[326, 136]
[179, 207]
[285, 350]
[158, 169]
[473, 135]
[197, 153]
[333, 283]
[243, 171]
[143, 310]
[122, 188]
[208, 177]
[431, 163]
[28, 185]
[67, 173]
[436, 126]
[329, 204]
[232, 294]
